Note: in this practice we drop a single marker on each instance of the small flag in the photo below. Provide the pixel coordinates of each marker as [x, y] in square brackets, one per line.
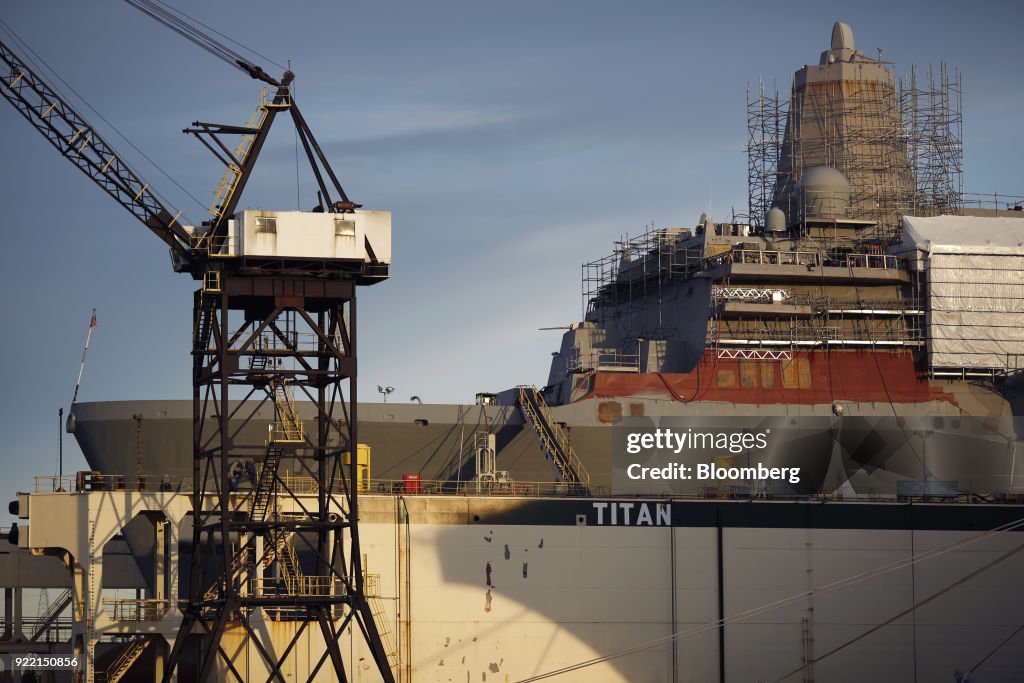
[93, 323]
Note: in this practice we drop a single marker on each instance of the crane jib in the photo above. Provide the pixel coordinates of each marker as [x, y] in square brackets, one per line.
[79, 142]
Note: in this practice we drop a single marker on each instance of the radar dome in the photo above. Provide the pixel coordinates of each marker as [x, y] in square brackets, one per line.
[775, 220]
[824, 192]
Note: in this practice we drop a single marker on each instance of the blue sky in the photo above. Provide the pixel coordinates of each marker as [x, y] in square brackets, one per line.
[512, 141]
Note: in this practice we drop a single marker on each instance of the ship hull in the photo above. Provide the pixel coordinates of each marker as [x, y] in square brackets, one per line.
[868, 449]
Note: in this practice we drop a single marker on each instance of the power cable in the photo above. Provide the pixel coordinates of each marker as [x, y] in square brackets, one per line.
[42, 65]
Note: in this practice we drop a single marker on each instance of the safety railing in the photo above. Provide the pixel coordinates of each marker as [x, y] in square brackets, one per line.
[96, 481]
[136, 610]
[273, 345]
[605, 360]
[816, 334]
[309, 486]
[56, 631]
[996, 201]
[298, 586]
[548, 489]
[813, 258]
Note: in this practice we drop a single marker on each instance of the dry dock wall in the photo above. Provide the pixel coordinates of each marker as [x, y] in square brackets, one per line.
[594, 590]
[492, 589]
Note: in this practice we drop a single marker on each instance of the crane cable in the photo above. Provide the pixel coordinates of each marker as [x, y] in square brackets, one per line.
[40, 65]
[785, 602]
[178, 22]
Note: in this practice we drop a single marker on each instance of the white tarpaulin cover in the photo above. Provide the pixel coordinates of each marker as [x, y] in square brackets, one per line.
[975, 269]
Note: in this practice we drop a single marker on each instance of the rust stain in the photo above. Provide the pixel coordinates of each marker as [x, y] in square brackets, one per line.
[748, 373]
[789, 374]
[609, 411]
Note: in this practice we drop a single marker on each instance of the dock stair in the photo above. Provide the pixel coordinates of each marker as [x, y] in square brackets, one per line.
[125, 660]
[288, 427]
[288, 564]
[241, 560]
[263, 492]
[49, 617]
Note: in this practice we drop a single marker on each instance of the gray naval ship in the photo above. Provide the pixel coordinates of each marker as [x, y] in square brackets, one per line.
[861, 310]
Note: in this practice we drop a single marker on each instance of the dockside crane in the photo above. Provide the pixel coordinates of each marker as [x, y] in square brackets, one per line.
[274, 314]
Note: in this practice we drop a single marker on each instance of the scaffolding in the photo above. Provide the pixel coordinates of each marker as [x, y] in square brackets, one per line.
[900, 147]
[637, 273]
[933, 117]
[766, 123]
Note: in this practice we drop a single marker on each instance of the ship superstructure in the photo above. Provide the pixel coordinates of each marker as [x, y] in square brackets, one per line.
[859, 287]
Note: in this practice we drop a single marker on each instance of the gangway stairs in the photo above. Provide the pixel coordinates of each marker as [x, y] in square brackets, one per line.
[552, 438]
[50, 616]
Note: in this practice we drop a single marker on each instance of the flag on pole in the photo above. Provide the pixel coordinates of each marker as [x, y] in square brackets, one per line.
[93, 323]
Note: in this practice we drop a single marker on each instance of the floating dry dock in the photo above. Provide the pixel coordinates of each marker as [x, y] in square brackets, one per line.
[496, 587]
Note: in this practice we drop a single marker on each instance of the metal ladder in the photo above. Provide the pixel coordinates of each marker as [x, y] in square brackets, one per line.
[263, 492]
[371, 588]
[229, 182]
[552, 438]
[203, 329]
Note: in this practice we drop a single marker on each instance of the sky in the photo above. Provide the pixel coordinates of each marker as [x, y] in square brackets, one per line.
[513, 141]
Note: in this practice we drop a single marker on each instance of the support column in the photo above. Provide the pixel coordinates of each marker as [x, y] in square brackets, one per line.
[8, 613]
[158, 661]
[160, 560]
[19, 594]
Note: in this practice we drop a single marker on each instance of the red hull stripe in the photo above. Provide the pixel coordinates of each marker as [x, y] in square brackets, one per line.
[811, 377]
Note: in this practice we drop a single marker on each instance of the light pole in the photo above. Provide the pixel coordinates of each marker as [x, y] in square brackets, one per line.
[60, 449]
